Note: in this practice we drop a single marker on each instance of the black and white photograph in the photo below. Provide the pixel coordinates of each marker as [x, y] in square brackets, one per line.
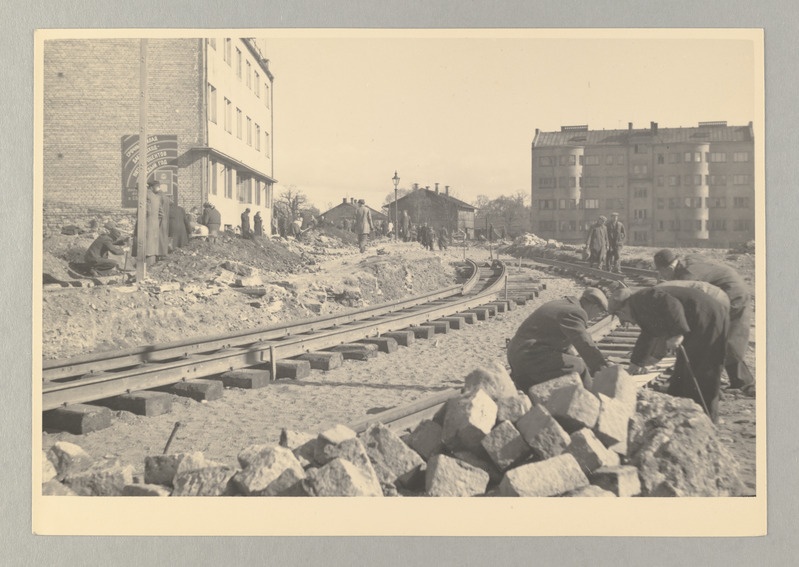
[470, 271]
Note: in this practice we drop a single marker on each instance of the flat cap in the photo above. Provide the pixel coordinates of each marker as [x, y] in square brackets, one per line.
[664, 258]
[618, 297]
[595, 295]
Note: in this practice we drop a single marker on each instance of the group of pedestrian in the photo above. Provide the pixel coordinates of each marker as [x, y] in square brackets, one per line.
[429, 237]
[701, 310]
[258, 224]
[604, 243]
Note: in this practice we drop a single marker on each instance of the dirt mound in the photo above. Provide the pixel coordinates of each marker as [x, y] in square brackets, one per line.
[677, 450]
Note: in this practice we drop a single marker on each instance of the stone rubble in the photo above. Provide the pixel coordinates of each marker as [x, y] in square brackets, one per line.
[562, 440]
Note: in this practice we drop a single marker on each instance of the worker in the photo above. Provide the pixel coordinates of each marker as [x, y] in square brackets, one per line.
[616, 237]
[597, 243]
[554, 341]
[363, 224]
[213, 220]
[245, 223]
[685, 317]
[695, 267]
[96, 257]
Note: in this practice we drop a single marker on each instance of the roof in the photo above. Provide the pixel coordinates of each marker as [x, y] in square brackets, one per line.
[585, 137]
[354, 206]
[442, 196]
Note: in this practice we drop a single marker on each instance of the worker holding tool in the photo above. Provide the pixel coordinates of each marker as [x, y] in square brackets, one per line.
[691, 322]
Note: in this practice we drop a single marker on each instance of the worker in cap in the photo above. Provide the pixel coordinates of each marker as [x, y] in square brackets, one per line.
[363, 224]
[96, 257]
[554, 341]
[694, 267]
[597, 243]
[617, 234]
[686, 319]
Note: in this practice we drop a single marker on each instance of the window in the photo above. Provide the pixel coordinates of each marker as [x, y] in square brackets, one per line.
[717, 157]
[674, 225]
[661, 225]
[660, 181]
[546, 182]
[740, 156]
[740, 202]
[639, 236]
[567, 204]
[674, 157]
[674, 180]
[716, 224]
[716, 202]
[640, 169]
[256, 83]
[546, 161]
[717, 180]
[641, 149]
[640, 193]
[692, 180]
[674, 203]
[591, 160]
[661, 159]
[568, 226]
[267, 147]
[582, 158]
[547, 204]
[249, 131]
[693, 156]
[741, 224]
[211, 103]
[227, 175]
[591, 181]
[609, 159]
[615, 204]
[248, 80]
[228, 116]
[741, 179]
[661, 203]
[238, 63]
[548, 226]
[212, 42]
[257, 138]
[639, 214]
[566, 160]
[692, 202]
[257, 191]
[238, 124]
[226, 53]
[266, 94]
[619, 160]
[590, 203]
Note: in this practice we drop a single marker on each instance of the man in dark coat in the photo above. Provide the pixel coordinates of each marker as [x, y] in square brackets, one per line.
[245, 223]
[363, 224]
[694, 267]
[258, 224]
[163, 224]
[616, 238]
[212, 218]
[405, 226]
[554, 341]
[686, 317]
[178, 232]
[443, 238]
[96, 257]
[597, 243]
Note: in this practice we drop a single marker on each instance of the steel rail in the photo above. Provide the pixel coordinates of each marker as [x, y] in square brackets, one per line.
[585, 269]
[53, 370]
[144, 376]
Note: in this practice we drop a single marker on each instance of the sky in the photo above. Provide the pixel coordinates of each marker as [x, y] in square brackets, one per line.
[460, 108]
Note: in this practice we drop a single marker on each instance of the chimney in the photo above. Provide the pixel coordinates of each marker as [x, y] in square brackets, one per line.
[352, 200]
[415, 186]
[427, 188]
[446, 190]
[436, 188]
[536, 131]
[654, 126]
[629, 125]
[344, 201]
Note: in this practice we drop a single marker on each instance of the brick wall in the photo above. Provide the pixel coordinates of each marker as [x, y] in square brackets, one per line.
[91, 99]
[60, 214]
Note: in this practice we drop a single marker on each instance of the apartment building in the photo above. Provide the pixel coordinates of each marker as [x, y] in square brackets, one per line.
[691, 186]
[209, 125]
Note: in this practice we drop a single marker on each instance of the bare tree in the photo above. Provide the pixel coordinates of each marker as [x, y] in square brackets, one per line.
[292, 201]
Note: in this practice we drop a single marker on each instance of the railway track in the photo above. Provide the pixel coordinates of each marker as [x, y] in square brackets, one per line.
[628, 275]
[103, 375]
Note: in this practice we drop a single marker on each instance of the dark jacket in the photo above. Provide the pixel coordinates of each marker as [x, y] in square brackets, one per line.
[558, 325]
[720, 275]
[245, 223]
[616, 234]
[100, 248]
[597, 238]
[212, 217]
[178, 231]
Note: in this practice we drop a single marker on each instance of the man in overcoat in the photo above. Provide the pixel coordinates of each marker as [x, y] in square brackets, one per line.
[597, 243]
[616, 237]
[363, 224]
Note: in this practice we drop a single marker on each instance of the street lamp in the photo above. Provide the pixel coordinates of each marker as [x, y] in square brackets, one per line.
[395, 179]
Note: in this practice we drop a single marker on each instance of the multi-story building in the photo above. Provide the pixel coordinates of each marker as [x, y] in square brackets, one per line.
[671, 186]
[209, 125]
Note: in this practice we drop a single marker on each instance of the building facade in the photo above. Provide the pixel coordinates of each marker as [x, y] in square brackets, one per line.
[671, 186]
[209, 124]
[437, 209]
[346, 211]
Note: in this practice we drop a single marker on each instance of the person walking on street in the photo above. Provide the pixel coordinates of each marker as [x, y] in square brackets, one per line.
[616, 237]
[443, 237]
[258, 224]
[363, 224]
[695, 267]
[597, 243]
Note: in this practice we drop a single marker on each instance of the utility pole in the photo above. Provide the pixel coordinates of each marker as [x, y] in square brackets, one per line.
[141, 232]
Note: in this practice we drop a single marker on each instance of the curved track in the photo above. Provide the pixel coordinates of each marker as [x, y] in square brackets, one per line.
[102, 375]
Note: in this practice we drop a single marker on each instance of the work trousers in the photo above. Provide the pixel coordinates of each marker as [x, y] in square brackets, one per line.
[363, 240]
[539, 363]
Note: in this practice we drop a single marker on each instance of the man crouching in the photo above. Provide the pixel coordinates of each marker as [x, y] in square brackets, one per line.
[554, 341]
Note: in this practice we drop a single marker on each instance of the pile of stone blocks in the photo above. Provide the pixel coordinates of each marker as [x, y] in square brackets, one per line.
[559, 439]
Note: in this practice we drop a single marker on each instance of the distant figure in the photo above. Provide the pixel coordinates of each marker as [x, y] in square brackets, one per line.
[164, 239]
[245, 223]
[196, 230]
[616, 237]
[347, 225]
[296, 228]
[363, 224]
[597, 243]
[390, 228]
[405, 226]
[443, 237]
[178, 229]
[259, 225]
[213, 220]
[96, 257]
[152, 225]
